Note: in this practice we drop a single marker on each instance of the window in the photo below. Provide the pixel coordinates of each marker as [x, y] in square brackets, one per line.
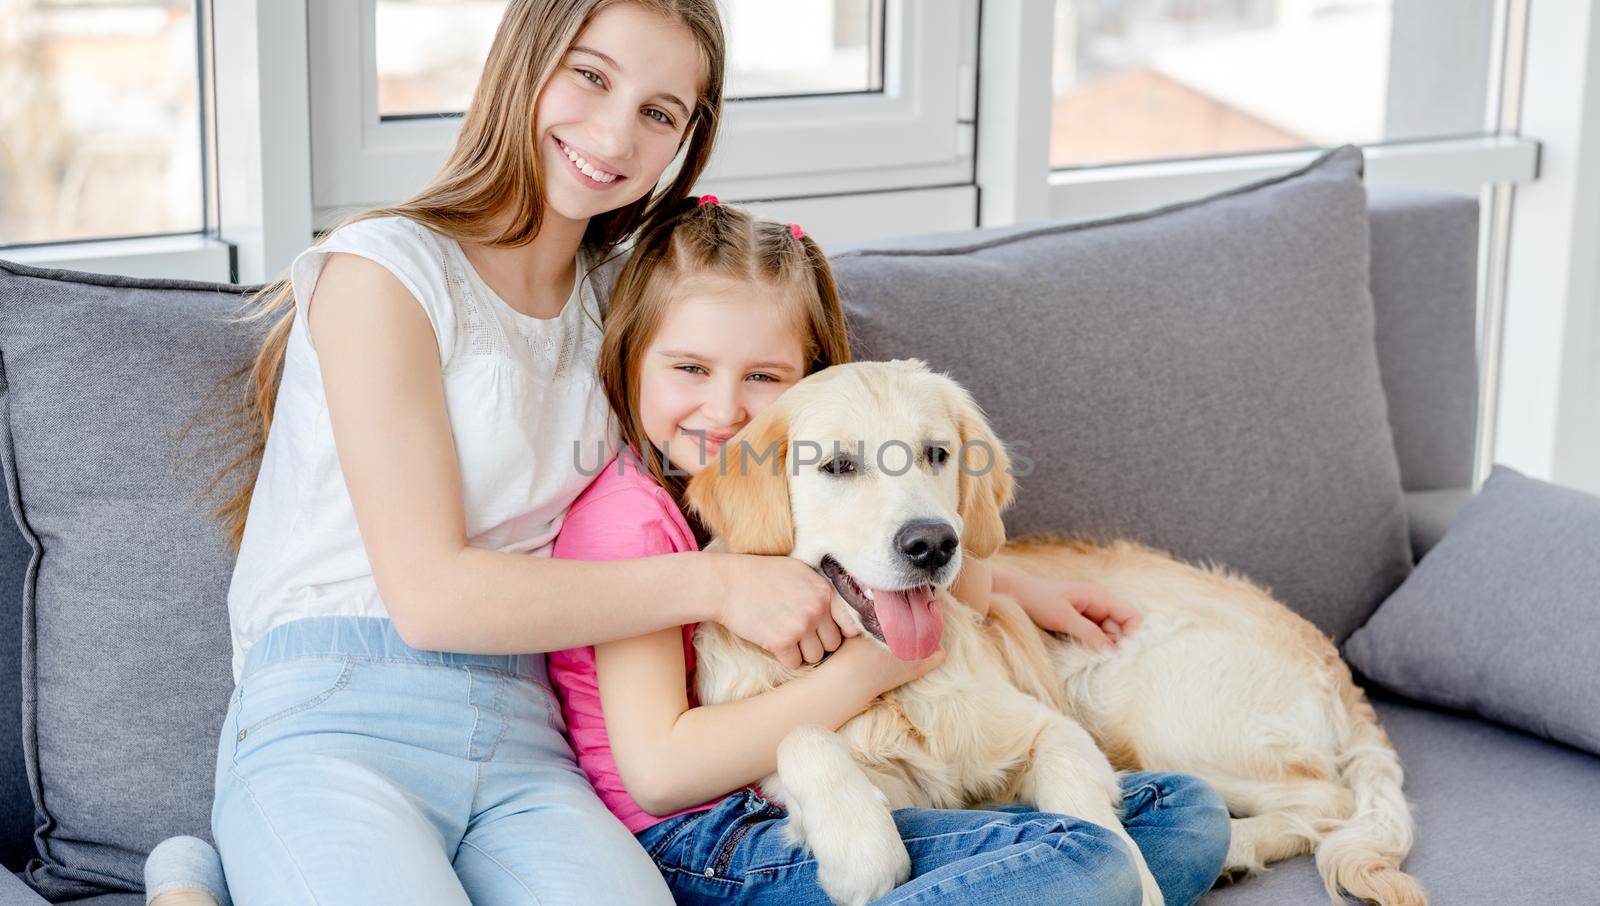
[804, 47]
[429, 52]
[99, 120]
[826, 96]
[1152, 79]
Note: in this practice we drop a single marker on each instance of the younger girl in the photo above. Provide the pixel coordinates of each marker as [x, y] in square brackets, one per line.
[716, 315]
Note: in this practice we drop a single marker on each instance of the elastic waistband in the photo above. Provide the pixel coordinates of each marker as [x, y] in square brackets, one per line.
[375, 638]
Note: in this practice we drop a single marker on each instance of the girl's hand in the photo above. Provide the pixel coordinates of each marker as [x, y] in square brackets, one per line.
[780, 604]
[1088, 612]
[876, 668]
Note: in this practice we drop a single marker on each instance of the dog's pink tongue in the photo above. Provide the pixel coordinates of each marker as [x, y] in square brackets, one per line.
[910, 620]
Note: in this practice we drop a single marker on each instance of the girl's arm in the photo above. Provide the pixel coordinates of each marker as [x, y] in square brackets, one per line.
[381, 371]
[1083, 610]
[671, 756]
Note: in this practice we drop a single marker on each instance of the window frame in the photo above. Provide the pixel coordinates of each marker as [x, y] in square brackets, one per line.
[181, 256]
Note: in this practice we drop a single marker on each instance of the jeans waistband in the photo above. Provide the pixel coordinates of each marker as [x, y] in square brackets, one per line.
[376, 638]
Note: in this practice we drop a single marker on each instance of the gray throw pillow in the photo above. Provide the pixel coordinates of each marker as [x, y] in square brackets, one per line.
[125, 626]
[1201, 378]
[1502, 617]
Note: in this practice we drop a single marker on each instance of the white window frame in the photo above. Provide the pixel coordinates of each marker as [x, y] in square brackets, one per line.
[909, 135]
[1462, 166]
[189, 256]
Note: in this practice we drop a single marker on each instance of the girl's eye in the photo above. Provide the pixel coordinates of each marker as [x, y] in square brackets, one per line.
[591, 76]
[659, 116]
[765, 378]
[691, 369]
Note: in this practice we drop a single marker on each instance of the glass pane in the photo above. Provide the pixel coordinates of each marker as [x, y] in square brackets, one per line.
[430, 52]
[1151, 79]
[99, 123]
[803, 47]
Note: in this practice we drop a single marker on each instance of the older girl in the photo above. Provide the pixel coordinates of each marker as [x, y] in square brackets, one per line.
[428, 380]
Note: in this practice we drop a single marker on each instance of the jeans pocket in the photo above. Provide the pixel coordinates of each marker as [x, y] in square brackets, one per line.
[288, 687]
[670, 844]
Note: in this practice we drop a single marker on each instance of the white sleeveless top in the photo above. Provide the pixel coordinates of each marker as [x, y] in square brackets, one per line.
[526, 410]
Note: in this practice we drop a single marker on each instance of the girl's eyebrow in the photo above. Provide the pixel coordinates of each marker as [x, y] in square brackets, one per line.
[671, 98]
[683, 354]
[772, 366]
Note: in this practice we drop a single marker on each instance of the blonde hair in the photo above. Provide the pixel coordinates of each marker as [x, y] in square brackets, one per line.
[716, 241]
[492, 170]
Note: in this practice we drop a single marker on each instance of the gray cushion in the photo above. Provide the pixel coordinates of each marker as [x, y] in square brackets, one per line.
[1201, 377]
[1502, 618]
[125, 627]
[1503, 819]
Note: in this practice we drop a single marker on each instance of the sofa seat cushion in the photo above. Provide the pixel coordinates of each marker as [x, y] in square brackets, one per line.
[1503, 818]
[1201, 378]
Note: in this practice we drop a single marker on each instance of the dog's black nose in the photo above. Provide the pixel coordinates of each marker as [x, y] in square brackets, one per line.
[927, 543]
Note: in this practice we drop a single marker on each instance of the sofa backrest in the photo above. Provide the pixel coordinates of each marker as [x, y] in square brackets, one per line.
[1424, 291]
[1422, 270]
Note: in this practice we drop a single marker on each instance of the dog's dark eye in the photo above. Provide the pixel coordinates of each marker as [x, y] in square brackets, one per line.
[840, 465]
[937, 455]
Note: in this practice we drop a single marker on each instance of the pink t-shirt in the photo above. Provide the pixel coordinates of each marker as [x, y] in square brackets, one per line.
[621, 515]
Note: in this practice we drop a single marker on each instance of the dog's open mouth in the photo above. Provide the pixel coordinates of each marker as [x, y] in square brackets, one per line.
[908, 621]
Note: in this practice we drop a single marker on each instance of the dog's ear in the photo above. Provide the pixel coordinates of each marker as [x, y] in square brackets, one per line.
[915, 366]
[985, 478]
[743, 498]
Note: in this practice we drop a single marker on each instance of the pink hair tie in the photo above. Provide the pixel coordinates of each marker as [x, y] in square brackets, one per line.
[796, 232]
[707, 199]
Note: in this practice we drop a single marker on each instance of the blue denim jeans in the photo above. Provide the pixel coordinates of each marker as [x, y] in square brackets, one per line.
[354, 769]
[740, 852]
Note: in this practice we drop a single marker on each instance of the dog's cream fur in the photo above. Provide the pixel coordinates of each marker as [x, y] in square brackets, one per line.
[1220, 681]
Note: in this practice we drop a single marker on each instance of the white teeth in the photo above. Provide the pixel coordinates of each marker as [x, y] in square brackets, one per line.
[587, 168]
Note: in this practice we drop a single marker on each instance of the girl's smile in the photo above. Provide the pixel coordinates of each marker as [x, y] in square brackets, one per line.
[590, 169]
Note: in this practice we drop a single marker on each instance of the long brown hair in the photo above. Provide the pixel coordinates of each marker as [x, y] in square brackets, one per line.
[712, 240]
[492, 170]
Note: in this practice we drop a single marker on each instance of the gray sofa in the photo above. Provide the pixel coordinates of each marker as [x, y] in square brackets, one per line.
[1214, 378]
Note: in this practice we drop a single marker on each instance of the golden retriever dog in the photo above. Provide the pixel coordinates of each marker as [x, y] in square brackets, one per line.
[883, 476]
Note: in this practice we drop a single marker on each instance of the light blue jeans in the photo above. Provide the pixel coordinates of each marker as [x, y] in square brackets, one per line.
[354, 769]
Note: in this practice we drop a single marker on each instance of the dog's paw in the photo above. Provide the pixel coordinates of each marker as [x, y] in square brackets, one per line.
[877, 864]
